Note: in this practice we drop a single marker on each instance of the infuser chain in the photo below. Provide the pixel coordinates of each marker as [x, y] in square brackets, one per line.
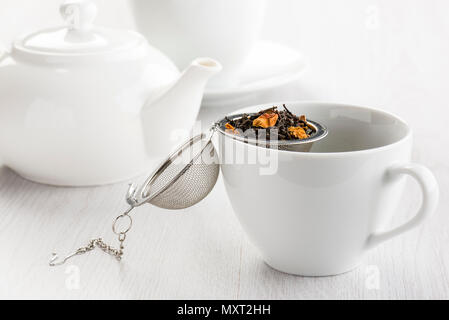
[99, 243]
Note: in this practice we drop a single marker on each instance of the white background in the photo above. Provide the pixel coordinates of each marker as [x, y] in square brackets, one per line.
[391, 54]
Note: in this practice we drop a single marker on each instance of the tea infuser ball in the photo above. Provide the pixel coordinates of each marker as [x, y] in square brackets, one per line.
[184, 179]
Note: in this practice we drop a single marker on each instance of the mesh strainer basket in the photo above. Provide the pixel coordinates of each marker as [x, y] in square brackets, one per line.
[184, 179]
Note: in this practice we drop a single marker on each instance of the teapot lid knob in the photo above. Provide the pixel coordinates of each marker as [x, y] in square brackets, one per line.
[79, 14]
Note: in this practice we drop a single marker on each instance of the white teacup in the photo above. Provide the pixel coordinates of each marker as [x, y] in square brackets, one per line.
[318, 213]
[185, 29]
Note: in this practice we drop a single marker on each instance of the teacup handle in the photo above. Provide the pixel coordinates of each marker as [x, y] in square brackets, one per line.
[430, 190]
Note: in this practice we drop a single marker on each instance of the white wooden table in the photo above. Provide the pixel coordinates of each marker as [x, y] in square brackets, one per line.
[388, 54]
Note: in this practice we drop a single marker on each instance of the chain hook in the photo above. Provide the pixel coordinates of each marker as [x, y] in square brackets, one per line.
[55, 257]
[117, 253]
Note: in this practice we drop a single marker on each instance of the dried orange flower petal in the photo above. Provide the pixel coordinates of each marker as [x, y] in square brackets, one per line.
[267, 120]
[298, 132]
[231, 129]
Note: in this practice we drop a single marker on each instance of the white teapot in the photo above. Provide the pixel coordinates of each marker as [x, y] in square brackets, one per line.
[83, 105]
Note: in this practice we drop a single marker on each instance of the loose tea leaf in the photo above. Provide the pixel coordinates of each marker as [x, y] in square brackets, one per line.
[261, 125]
[230, 128]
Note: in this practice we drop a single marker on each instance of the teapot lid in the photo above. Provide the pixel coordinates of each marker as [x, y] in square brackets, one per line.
[80, 36]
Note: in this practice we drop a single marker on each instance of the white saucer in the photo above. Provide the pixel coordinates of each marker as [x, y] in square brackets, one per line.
[270, 66]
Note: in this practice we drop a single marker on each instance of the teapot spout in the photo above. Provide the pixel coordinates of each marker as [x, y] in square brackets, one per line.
[174, 113]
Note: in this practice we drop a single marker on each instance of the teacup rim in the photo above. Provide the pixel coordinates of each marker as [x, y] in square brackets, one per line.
[407, 136]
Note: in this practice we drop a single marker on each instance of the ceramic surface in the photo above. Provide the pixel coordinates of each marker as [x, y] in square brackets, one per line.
[318, 213]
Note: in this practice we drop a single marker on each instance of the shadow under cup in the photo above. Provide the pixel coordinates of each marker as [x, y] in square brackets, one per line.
[312, 213]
